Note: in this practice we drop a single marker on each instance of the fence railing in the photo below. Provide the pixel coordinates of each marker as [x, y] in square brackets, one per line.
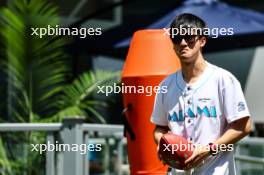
[246, 162]
[74, 131]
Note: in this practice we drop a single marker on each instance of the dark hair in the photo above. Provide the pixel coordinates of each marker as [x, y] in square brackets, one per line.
[187, 20]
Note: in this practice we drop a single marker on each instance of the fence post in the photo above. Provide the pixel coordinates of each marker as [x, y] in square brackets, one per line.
[107, 157]
[86, 158]
[120, 155]
[238, 163]
[50, 161]
[72, 134]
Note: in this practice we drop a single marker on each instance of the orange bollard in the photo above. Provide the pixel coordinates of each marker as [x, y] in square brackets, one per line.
[150, 59]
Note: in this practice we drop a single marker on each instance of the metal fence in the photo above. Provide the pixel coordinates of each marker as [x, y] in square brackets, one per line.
[249, 156]
[73, 131]
[249, 152]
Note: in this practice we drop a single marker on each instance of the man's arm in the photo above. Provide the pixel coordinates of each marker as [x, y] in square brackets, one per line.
[159, 131]
[236, 131]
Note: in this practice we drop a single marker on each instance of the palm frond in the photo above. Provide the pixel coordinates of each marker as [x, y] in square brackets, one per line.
[34, 66]
[4, 162]
[80, 94]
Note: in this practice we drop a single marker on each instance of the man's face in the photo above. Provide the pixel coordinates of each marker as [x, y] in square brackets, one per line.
[188, 48]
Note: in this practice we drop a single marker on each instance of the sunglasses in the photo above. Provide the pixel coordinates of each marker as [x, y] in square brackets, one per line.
[188, 38]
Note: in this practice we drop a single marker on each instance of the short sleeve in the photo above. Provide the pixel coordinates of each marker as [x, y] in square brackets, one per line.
[235, 106]
[158, 116]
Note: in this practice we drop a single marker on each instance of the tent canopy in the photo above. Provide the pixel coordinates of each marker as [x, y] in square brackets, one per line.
[216, 14]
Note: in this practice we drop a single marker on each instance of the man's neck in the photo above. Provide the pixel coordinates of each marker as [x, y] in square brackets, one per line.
[191, 71]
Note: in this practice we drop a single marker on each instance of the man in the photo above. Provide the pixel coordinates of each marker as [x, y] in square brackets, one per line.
[204, 103]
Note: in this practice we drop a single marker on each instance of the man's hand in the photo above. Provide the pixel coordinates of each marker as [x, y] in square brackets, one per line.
[158, 132]
[160, 156]
[158, 151]
[200, 153]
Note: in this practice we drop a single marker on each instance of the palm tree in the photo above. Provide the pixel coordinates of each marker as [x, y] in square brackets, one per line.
[35, 72]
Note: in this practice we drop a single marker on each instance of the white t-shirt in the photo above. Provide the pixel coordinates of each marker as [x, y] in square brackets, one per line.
[201, 111]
